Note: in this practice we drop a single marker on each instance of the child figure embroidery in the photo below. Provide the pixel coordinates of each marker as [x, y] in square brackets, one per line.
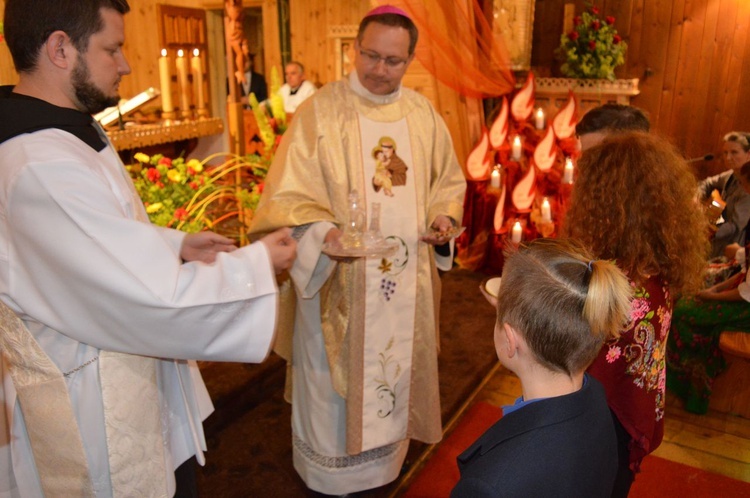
[382, 176]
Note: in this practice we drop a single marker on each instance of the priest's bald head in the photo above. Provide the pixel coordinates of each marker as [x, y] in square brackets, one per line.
[384, 49]
[68, 52]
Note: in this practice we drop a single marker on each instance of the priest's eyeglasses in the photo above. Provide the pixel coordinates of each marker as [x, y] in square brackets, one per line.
[372, 58]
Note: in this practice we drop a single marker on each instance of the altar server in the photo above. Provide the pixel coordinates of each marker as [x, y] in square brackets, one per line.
[100, 309]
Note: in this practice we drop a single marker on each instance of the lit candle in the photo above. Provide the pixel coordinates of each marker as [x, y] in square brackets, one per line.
[516, 233]
[515, 153]
[196, 66]
[182, 74]
[495, 177]
[546, 211]
[165, 82]
[568, 172]
[539, 121]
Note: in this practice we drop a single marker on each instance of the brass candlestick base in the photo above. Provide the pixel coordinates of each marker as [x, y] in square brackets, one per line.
[168, 115]
[202, 112]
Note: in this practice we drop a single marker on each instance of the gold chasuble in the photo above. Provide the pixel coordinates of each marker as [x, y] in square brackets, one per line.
[379, 316]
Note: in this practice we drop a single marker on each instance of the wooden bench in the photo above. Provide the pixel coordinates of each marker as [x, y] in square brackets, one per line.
[731, 389]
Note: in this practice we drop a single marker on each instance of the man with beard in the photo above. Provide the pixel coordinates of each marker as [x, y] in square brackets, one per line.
[94, 300]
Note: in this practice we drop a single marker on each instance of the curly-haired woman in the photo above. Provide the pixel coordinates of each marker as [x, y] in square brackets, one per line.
[633, 202]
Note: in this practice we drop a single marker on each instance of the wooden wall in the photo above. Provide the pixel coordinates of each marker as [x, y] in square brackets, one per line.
[692, 57]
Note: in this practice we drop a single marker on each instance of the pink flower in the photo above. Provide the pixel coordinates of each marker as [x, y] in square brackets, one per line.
[617, 39]
[596, 25]
[573, 35]
[638, 309]
[613, 353]
[592, 45]
[610, 20]
[153, 175]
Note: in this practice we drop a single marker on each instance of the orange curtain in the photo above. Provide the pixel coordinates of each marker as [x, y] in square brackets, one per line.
[457, 45]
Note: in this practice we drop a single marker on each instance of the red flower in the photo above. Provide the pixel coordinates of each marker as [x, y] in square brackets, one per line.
[596, 25]
[160, 184]
[616, 39]
[190, 171]
[573, 35]
[153, 174]
[594, 10]
[193, 185]
[610, 20]
[180, 214]
[260, 187]
[592, 45]
[577, 20]
[166, 162]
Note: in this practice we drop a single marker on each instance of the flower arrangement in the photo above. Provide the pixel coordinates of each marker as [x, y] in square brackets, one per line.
[593, 49]
[191, 196]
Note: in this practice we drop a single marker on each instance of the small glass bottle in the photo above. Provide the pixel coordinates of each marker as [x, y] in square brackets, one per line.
[355, 228]
[373, 237]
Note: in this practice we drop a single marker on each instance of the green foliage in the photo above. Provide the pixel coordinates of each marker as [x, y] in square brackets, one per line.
[593, 49]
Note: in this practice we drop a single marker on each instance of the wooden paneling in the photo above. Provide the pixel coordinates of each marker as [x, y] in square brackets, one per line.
[693, 59]
[8, 75]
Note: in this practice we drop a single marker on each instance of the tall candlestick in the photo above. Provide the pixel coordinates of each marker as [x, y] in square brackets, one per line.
[516, 233]
[515, 151]
[568, 171]
[495, 177]
[165, 81]
[539, 121]
[182, 74]
[546, 211]
[196, 65]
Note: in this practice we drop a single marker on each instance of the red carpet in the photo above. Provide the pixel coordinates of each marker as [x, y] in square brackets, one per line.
[658, 477]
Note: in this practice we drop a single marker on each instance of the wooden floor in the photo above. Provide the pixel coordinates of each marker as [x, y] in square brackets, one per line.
[715, 442]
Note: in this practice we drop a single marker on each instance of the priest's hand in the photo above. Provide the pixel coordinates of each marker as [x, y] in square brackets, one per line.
[282, 248]
[203, 246]
[441, 224]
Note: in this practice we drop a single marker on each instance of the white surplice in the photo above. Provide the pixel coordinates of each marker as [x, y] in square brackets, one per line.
[85, 273]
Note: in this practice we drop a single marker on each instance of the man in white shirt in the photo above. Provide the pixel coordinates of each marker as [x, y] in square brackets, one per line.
[297, 88]
[99, 309]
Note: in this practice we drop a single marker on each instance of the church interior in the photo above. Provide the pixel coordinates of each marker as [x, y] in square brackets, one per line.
[505, 103]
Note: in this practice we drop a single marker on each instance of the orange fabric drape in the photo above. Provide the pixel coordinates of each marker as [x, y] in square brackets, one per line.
[458, 47]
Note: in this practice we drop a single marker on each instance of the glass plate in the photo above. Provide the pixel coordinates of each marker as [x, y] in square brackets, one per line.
[382, 250]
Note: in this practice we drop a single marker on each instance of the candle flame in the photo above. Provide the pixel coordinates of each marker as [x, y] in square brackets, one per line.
[180, 53]
[164, 52]
[196, 52]
[477, 164]
[523, 102]
[565, 120]
[546, 151]
[499, 129]
[525, 190]
[500, 212]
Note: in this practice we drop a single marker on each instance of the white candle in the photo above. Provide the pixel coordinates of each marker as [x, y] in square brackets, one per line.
[539, 121]
[568, 172]
[515, 151]
[196, 66]
[546, 211]
[165, 82]
[495, 177]
[182, 74]
[516, 233]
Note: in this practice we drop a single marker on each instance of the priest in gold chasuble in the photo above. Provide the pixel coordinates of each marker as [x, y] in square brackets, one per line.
[362, 339]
